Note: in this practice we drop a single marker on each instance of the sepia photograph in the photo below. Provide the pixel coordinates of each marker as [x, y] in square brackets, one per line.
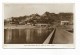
[38, 23]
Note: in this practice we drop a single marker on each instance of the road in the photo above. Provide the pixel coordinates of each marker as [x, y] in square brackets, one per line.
[62, 37]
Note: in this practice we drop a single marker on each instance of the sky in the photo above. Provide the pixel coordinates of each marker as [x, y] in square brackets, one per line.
[16, 10]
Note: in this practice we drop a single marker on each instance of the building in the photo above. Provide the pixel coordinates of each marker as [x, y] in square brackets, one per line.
[64, 22]
[42, 25]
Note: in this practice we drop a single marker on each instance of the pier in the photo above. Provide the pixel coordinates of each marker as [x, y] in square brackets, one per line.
[59, 36]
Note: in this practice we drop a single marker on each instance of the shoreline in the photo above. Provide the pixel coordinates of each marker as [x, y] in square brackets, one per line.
[23, 27]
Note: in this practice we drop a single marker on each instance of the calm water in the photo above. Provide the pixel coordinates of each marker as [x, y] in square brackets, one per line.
[25, 36]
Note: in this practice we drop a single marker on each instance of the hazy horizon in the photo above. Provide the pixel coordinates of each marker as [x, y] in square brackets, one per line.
[16, 10]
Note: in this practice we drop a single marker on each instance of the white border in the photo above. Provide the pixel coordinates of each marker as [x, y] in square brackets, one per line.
[39, 45]
[75, 51]
[48, 46]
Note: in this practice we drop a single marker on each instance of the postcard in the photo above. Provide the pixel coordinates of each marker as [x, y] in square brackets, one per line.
[38, 25]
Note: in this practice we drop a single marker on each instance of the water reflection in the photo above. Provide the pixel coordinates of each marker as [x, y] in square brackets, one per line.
[8, 33]
[25, 36]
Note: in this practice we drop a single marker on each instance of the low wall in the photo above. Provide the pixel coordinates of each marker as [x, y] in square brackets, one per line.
[48, 39]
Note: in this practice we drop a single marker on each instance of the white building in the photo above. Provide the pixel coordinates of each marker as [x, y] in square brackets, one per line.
[64, 22]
